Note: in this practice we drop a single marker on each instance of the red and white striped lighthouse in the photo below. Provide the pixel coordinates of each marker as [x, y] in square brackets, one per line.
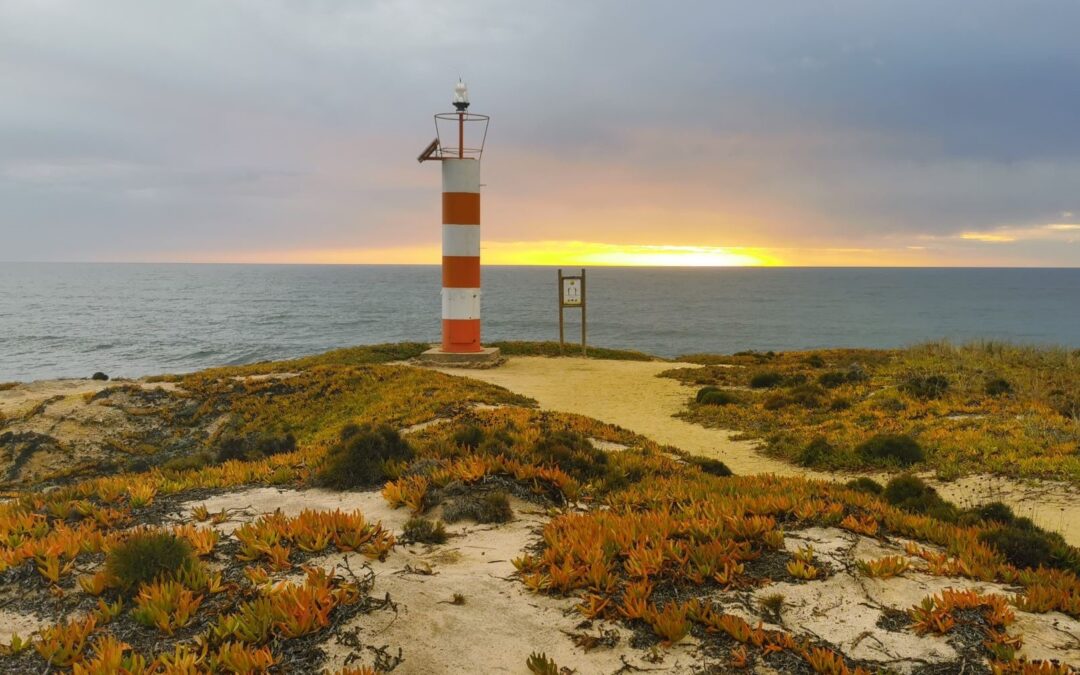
[460, 229]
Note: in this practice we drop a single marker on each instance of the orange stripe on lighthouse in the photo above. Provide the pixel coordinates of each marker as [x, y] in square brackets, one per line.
[461, 208]
[461, 271]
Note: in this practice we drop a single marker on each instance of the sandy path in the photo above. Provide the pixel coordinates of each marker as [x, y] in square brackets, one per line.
[629, 394]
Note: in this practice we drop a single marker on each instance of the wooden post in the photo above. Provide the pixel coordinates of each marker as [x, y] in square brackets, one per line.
[584, 299]
[562, 338]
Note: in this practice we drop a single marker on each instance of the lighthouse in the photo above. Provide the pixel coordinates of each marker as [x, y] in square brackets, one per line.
[458, 146]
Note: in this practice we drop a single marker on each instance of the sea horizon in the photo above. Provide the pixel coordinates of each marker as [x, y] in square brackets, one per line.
[136, 319]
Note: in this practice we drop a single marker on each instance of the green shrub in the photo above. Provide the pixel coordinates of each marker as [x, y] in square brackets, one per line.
[1026, 545]
[913, 494]
[925, 387]
[998, 386]
[470, 436]
[573, 453]
[807, 395]
[817, 452]
[705, 391]
[717, 397]
[145, 556]
[137, 465]
[996, 511]
[856, 373]
[815, 361]
[360, 457]
[254, 446]
[490, 507]
[710, 466]
[832, 380]
[864, 484]
[888, 449]
[766, 379]
[839, 403]
[196, 460]
[1065, 403]
[424, 531]
[1021, 547]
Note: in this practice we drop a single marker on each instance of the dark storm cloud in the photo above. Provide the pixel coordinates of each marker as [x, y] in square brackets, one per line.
[136, 127]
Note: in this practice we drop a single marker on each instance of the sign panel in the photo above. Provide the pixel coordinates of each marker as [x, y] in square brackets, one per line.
[571, 291]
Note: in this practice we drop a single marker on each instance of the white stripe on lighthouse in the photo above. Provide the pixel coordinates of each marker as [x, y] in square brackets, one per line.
[461, 240]
[461, 175]
[461, 303]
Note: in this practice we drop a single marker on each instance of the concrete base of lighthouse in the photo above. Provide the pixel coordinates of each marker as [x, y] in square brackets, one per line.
[488, 357]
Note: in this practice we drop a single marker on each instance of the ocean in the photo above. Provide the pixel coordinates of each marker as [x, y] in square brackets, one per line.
[71, 319]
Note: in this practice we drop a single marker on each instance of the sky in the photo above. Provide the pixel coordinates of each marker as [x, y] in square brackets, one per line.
[622, 132]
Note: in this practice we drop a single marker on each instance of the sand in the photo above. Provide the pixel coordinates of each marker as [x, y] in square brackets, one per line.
[500, 622]
[629, 394]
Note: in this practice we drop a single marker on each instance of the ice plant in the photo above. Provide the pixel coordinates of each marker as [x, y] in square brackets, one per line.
[166, 605]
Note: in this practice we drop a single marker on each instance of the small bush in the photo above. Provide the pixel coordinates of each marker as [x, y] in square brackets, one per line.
[998, 386]
[573, 453]
[424, 531]
[856, 373]
[360, 457]
[806, 395]
[145, 556]
[864, 484]
[100, 376]
[718, 397]
[1021, 547]
[886, 449]
[925, 387]
[772, 605]
[832, 380]
[491, 507]
[839, 403]
[470, 436]
[817, 452]
[190, 462]
[713, 467]
[705, 391]
[137, 465]
[766, 379]
[254, 446]
[1065, 403]
[913, 494]
[996, 511]
[815, 361]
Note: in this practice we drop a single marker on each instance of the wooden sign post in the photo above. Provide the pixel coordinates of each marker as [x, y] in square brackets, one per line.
[572, 294]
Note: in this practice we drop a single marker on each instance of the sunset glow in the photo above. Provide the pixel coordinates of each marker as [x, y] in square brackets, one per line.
[600, 254]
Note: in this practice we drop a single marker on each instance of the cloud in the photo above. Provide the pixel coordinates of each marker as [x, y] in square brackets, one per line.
[1060, 232]
[218, 129]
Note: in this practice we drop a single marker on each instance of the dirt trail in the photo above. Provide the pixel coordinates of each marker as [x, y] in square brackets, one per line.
[629, 394]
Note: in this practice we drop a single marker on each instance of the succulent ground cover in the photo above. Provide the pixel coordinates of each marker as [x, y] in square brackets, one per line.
[195, 418]
[955, 409]
[663, 558]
